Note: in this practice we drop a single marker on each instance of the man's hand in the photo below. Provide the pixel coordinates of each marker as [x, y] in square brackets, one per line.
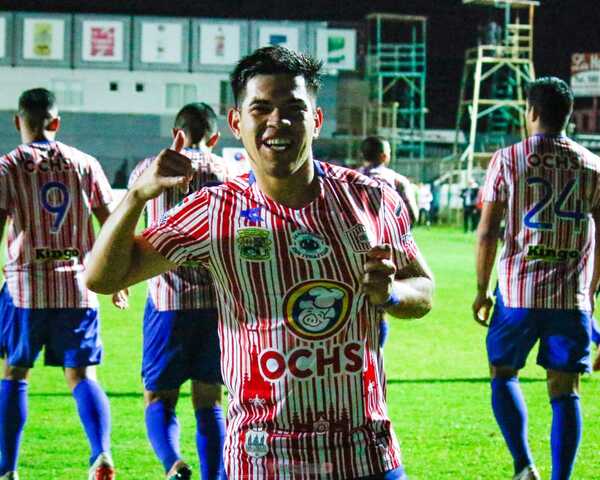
[378, 279]
[482, 306]
[121, 299]
[169, 169]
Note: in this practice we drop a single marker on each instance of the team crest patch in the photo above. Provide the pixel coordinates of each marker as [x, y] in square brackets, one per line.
[256, 443]
[254, 244]
[317, 309]
[309, 245]
[358, 238]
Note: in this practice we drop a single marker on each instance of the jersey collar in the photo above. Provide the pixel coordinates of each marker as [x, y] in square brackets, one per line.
[318, 169]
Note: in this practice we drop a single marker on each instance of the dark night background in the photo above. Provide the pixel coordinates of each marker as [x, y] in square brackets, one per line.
[562, 27]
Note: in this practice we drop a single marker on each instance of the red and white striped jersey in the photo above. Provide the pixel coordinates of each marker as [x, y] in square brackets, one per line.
[299, 342]
[187, 287]
[48, 190]
[550, 185]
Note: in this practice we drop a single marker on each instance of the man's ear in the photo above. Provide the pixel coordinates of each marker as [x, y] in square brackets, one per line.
[213, 140]
[53, 125]
[233, 119]
[318, 121]
[17, 122]
[534, 113]
[174, 131]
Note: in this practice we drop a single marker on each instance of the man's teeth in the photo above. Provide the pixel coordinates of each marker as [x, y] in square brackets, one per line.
[278, 143]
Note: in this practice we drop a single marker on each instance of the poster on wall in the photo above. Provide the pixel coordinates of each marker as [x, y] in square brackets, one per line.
[337, 48]
[273, 35]
[43, 39]
[2, 37]
[585, 74]
[161, 42]
[102, 41]
[219, 44]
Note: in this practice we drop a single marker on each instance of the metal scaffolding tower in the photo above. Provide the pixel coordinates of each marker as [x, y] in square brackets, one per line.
[492, 104]
[396, 70]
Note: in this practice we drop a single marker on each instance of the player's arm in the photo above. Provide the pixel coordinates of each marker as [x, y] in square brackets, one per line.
[404, 293]
[101, 213]
[407, 192]
[119, 258]
[488, 234]
[596, 271]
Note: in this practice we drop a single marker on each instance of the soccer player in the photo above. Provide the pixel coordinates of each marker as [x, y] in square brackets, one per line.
[376, 152]
[48, 192]
[547, 188]
[305, 257]
[180, 321]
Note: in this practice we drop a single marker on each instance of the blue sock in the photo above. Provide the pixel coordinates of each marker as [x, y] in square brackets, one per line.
[162, 428]
[13, 413]
[567, 425]
[511, 414]
[210, 437]
[384, 328]
[94, 413]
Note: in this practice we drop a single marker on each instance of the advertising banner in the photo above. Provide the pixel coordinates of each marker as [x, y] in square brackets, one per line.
[161, 42]
[43, 39]
[219, 44]
[585, 74]
[337, 48]
[102, 41]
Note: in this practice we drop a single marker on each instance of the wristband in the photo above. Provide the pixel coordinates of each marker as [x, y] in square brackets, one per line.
[393, 300]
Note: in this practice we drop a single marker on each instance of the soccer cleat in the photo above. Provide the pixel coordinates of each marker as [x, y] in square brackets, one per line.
[528, 473]
[103, 468]
[179, 471]
[10, 476]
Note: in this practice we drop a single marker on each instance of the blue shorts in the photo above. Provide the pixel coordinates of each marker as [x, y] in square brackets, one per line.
[180, 345]
[564, 337]
[70, 336]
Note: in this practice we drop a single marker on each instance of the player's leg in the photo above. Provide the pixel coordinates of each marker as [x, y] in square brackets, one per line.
[23, 336]
[13, 414]
[565, 353]
[162, 428]
[74, 344]
[94, 413]
[210, 428]
[163, 371]
[567, 422]
[596, 341]
[206, 393]
[511, 337]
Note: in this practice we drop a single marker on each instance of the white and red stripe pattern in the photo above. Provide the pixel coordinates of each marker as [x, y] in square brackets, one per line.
[299, 342]
[185, 287]
[550, 185]
[49, 190]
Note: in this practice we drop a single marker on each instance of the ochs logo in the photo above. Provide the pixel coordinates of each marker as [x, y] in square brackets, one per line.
[317, 309]
[309, 245]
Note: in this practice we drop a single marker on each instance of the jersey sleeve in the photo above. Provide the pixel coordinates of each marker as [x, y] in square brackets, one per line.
[182, 234]
[396, 227]
[101, 193]
[5, 190]
[494, 188]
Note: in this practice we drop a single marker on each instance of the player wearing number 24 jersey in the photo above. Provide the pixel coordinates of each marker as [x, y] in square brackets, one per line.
[547, 188]
[48, 193]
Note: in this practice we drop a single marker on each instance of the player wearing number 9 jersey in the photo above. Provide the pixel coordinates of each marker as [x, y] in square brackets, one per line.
[547, 188]
[48, 192]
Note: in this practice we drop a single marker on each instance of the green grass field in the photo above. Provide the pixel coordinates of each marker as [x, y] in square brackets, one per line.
[438, 393]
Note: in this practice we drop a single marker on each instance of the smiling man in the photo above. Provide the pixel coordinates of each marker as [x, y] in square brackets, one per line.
[306, 257]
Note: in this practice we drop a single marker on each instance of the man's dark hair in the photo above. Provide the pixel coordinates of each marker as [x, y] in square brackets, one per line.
[553, 101]
[198, 121]
[36, 106]
[275, 60]
[371, 148]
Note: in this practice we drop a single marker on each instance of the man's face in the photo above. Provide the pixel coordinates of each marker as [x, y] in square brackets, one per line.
[277, 121]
